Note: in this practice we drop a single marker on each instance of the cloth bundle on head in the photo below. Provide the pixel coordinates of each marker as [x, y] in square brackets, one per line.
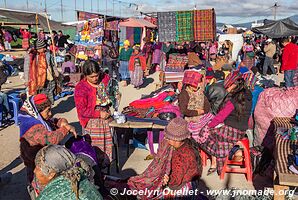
[192, 77]
[126, 43]
[232, 78]
[177, 130]
[250, 80]
[40, 44]
[137, 47]
[40, 99]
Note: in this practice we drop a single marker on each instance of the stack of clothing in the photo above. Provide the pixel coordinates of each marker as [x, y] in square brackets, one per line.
[176, 63]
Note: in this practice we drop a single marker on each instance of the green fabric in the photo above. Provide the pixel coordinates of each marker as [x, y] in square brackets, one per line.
[125, 55]
[137, 35]
[184, 26]
[60, 189]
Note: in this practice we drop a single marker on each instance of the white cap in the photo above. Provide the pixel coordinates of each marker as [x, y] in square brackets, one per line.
[269, 40]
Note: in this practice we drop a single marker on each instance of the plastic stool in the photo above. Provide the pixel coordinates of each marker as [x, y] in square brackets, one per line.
[246, 163]
[16, 105]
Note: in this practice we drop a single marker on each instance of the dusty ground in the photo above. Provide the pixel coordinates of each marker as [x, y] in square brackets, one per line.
[10, 161]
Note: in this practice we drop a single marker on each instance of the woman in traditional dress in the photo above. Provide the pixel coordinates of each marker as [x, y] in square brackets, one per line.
[63, 175]
[177, 165]
[37, 129]
[232, 120]
[26, 38]
[248, 54]
[92, 105]
[137, 66]
[124, 57]
[147, 51]
[192, 101]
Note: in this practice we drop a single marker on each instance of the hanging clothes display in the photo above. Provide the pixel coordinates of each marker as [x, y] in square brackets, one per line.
[167, 26]
[184, 26]
[204, 25]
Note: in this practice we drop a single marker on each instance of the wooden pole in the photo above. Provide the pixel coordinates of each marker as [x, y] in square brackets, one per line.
[52, 39]
[36, 23]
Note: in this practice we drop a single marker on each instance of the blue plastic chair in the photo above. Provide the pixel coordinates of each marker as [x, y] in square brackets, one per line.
[16, 104]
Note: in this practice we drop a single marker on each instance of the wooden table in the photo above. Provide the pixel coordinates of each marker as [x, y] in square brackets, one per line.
[141, 125]
[283, 148]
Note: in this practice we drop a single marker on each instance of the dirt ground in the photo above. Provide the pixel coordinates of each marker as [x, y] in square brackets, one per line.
[134, 164]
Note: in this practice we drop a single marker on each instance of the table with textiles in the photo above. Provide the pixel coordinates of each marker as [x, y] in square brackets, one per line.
[284, 178]
[141, 125]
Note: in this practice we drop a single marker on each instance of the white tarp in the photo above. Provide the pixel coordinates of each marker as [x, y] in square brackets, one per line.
[236, 39]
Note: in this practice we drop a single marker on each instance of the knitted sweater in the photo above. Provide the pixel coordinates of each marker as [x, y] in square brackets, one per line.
[85, 100]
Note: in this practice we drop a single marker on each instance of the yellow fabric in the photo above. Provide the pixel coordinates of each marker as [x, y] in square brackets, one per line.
[226, 73]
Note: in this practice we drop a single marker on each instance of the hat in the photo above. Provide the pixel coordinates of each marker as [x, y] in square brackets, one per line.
[192, 77]
[40, 44]
[177, 130]
[126, 43]
[269, 40]
[232, 78]
[40, 99]
[137, 47]
[209, 73]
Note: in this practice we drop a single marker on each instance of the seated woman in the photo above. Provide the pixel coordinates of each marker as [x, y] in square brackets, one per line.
[193, 59]
[192, 101]
[37, 129]
[68, 66]
[63, 175]
[234, 115]
[177, 165]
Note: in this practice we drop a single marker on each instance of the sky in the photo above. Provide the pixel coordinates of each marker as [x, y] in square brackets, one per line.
[227, 11]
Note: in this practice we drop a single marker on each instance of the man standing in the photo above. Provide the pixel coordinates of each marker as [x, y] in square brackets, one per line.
[289, 61]
[62, 40]
[42, 71]
[270, 50]
[110, 56]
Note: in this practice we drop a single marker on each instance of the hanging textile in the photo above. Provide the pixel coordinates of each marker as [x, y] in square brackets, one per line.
[130, 35]
[204, 25]
[137, 35]
[184, 26]
[167, 26]
[112, 26]
[122, 34]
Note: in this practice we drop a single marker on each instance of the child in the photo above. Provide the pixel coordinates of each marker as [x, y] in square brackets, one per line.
[137, 66]
[68, 66]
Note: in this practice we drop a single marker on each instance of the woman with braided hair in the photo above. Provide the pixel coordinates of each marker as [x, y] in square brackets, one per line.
[63, 175]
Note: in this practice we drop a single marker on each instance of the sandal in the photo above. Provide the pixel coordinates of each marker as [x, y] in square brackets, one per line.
[233, 151]
[211, 170]
[149, 157]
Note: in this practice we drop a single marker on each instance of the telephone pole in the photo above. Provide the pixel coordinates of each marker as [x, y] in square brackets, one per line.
[61, 6]
[27, 4]
[275, 10]
[91, 6]
[5, 5]
[45, 6]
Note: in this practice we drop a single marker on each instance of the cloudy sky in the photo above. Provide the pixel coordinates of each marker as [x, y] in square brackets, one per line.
[228, 11]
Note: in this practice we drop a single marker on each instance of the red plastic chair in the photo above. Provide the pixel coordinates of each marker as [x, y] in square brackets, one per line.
[245, 165]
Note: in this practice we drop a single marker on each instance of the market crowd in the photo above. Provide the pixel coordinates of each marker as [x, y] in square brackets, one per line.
[214, 100]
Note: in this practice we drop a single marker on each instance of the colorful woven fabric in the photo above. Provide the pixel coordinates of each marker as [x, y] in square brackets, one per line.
[184, 26]
[231, 78]
[220, 142]
[192, 77]
[199, 130]
[101, 135]
[112, 26]
[204, 25]
[167, 26]
[250, 80]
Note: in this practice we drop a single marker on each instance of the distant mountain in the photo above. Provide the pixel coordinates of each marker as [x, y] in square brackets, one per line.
[248, 24]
